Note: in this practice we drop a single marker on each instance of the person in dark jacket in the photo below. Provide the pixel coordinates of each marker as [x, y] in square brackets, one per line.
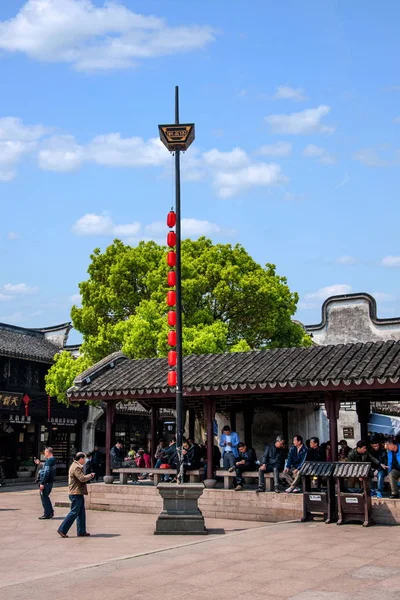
[117, 455]
[47, 477]
[245, 461]
[360, 454]
[296, 458]
[314, 454]
[190, 456]
[379, 453]
[97, 462]
[273, 461]
[393, 467]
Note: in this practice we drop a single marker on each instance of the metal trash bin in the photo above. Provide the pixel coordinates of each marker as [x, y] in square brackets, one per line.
[354, 506]
[318, 491]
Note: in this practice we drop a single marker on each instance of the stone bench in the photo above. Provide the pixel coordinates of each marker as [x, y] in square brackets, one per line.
[269, 478]
[194, 475]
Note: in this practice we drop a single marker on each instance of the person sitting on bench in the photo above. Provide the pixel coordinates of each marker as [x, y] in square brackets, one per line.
[296, 458]
[245, 461]
[272, 461]
[393, 467]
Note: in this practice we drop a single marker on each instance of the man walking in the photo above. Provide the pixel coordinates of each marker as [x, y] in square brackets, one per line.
[77, 492]
[47, 476]
[272, 461]
[229, 442]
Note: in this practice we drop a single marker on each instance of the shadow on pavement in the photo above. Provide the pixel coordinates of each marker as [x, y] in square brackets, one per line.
[4, 509]
[105, 535]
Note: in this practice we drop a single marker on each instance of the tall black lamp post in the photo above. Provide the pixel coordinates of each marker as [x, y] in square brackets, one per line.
[177, 138]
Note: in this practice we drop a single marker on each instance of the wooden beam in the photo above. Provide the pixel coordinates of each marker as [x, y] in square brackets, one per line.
[153, 433]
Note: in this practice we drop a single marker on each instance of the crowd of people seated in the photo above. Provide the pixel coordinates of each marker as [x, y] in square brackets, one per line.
[284, 464]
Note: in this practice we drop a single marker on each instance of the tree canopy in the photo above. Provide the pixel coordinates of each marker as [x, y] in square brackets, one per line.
[230, 303]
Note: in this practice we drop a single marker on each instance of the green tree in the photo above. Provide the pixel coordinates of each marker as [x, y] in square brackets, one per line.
[230, 303]
[61, 375]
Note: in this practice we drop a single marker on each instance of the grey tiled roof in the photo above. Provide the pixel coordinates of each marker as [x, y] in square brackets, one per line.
[272, 369]
[25, 343]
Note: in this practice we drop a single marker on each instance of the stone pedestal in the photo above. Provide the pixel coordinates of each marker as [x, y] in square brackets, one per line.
[181, 514]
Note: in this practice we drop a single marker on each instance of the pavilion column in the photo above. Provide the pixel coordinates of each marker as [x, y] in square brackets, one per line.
[332, 406]
[285, 424]
[233, 419]
[363, 408]
[192, 421]
[110, 422]
[153, 432]
[209, 413]
[248, 417]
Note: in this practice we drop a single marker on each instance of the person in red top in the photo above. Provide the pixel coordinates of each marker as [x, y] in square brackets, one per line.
[143, 459]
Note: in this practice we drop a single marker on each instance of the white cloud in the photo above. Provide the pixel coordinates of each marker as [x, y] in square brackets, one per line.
[324, 157]
[372, 157]
[103, 225]
[16, 141]
[5, 297]
[285, 92]
[12, 235]
[336, 289]
[391, 261]
[276, 150]
[229, 184]
[223, 160]
[19, 289]
[93, 38]
[383, 297]
[347, 260]
[63, 153]
[301, 123]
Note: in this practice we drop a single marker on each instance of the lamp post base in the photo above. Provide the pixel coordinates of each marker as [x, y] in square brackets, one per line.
[181, 514]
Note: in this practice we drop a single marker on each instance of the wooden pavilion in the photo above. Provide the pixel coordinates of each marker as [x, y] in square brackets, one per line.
[360, 373]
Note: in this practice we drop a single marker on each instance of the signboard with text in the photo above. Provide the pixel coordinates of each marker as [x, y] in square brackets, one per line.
[10, 400]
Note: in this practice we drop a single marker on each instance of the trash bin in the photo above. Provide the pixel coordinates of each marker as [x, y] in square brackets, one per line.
[353, 506]
[318, 491]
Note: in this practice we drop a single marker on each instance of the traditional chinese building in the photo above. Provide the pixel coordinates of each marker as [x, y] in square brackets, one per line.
[28, 419]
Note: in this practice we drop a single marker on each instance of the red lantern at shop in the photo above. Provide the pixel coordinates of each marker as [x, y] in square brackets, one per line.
[171, 318]
[26, 400]
[172, 378]
[171, 258]
[172, 338]
[171, 219]
[171, 298]
[171, 239]
[171, 278]
[172, 358]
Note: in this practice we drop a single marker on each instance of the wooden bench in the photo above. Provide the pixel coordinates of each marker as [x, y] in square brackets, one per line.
[194, 475]
[269, 478]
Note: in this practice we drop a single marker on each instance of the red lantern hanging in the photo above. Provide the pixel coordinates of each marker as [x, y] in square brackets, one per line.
[172, 378]
[171, 258]
[171, 219]
[172, 338]
[172, 358]
[171, 298]
[171, 239]
[26, 400]
[171, 279]
[171, 318]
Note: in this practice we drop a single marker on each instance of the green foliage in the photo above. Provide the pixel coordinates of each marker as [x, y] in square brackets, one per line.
[61, 375]
[230, 304]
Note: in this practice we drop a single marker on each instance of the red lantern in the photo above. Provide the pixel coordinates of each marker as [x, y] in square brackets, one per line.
[171, 318]
[172, 279]
[172, 338]
[172, 358]
[26, 400]
[171, 239]
[171, 298]
[172, 378]
[171, 258]
[171, 219]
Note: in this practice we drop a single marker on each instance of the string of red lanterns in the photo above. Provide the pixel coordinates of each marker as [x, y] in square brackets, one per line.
[171, 299]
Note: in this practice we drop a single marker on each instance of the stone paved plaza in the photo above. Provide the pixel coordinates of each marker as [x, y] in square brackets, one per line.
[247, 560]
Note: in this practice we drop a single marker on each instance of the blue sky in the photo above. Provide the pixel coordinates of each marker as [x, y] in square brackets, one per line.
[297, 155]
